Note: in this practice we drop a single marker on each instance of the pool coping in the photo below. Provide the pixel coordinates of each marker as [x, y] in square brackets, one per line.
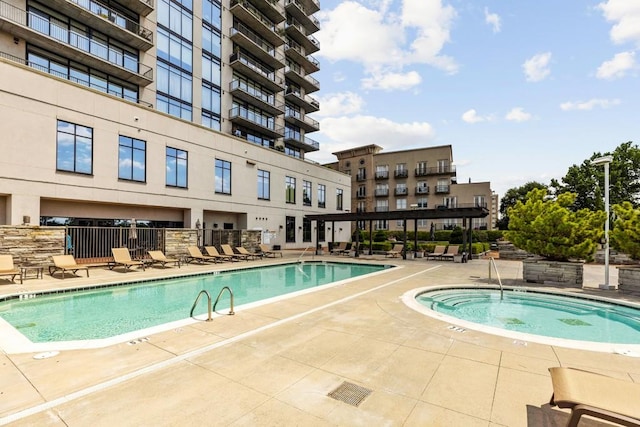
[632, 350]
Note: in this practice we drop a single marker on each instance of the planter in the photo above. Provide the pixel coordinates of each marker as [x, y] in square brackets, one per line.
[568, 274]
[418, 254]
[629, 279]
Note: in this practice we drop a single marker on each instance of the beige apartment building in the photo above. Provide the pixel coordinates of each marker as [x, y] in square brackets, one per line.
[172, 112]
[423, 178]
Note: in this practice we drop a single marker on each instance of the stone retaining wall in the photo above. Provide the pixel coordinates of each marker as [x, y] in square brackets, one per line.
[31, 245]
[629, 280]
[553, 272]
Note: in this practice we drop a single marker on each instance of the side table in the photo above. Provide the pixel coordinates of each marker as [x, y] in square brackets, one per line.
[36, 270]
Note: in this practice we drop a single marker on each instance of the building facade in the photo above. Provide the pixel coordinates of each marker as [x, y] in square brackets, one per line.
[167, 111]
[423, 178]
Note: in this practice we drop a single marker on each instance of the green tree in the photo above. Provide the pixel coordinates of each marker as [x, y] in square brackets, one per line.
[587, 180]
[511, 197]
[625, 234]
[552, 229]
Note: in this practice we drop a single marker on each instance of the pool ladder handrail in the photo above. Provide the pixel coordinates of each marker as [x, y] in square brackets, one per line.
[303, 252]
[212, 307]
[492, 261]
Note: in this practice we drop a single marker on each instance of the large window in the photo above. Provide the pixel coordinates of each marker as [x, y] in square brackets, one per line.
[290, 185]
[321, 230]
[322, 195]
[401, 204]
[290, 232]
[306, 193]
[176, 168]
[264, 185]
[132, 159]
[306, 230]
[339, 197]
[74, 148]
[223, 177]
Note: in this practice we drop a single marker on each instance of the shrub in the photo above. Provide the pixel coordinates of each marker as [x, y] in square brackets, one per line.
[550, 229]
[625, 234]
[379, 236]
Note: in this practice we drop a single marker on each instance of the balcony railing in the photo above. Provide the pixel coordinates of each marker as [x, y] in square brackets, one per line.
[401, 191]
[436, 170]
[442, 189]
[421, 171]
[255, 12]
[361, 195]
[116, 18]
[382, 174]
[361, 177]
[361, 210]
[295, 136]
[401, 173]
[422, 190]
[251, 116]
[255, 66]
[257, 40]
[381, 192]
[382, 208]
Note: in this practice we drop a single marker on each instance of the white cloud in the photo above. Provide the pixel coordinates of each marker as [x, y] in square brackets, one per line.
[392, 81]
[518, 114]
[626, 16]
[536, 68]
[492, 19]
[471, 116]
[617, 67]
[335, 104]
[589, 105]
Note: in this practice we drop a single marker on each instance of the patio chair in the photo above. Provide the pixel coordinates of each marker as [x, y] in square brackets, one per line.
[242, 251]
[158, 257]
[66, 263]
[213, 252]
[339, 249]
[269, 252]
[121, 256]
[452, 251]
[595, 395]
[228, 250]
[196, 255]
[396, 251]
[438, 251]
[8, 269]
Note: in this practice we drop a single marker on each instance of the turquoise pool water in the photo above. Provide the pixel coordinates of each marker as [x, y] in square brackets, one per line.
[115, 310]
[540, 314]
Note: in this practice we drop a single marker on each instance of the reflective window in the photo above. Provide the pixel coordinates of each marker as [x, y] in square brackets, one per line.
[264, 185]
[290, 185]
[306, 193]
[290, 232]
[223, 177]
[322, 195]
[74, 151]
[176, 168]
[132, 158]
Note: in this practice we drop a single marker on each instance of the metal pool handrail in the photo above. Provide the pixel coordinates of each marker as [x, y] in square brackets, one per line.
[209, 318]
[231, 312]
[493, 262]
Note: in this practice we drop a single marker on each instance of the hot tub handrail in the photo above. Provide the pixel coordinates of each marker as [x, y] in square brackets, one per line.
[209, 317]
[226, 288]
[492, 261]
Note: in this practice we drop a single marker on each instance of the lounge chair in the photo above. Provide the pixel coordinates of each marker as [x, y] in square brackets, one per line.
[339, 249]
[196, 255]
[66, 263]
[396, 251]
[228, 250]
[8, 269]
[438, 251]
[250, 255]
[158, 257]
[599, 396]
[452, 251]
[269, 252]
[121, 256]
[213, 252]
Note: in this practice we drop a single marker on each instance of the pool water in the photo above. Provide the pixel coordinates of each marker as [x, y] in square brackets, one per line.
[107, 312]
[538, 313]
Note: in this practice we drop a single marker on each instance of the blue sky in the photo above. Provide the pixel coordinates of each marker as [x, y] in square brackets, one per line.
[521, 89]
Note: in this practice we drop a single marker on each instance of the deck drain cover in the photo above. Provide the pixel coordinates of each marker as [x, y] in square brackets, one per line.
[350, 393]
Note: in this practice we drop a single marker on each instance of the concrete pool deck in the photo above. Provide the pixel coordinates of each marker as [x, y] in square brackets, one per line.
[275, 364]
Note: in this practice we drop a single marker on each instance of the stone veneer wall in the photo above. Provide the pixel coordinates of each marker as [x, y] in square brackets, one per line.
[32, 245]
[629, 280]
[569, 274]
[179, 239]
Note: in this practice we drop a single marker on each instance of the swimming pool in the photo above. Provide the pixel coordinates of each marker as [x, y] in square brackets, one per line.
[525, 314]
[115, 310]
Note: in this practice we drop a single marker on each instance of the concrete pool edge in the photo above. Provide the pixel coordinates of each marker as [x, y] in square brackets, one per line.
[409, 299]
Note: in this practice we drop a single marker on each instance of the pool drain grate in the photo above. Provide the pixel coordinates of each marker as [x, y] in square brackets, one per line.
[350, 393]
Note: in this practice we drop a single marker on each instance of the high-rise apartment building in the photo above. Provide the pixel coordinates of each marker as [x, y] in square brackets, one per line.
[423, 178]
[170, 111]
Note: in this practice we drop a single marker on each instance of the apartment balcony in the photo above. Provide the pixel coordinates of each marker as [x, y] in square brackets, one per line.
[298, 33]
[245, 37]
[361, 177]
[307, 102]
[298, 76]
[361, 195]
[255, 121]
[301, 120]
[256, 71]
[436, 170]
[298, 10]
[300, 141]
[269, 8]
[308, 63]
[380, 175]
[106, 20]
[401, 191]
[382, 208]
[361, 210]
[262, 100]
[256, 20]
[422, 190]
[141, 7]
[69, 44]
[443, 189]
[401, 173]
[381, 192]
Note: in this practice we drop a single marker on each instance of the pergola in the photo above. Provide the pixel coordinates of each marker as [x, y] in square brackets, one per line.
[440, 212]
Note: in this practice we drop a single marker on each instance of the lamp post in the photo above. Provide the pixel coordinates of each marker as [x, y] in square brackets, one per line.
[605, 160]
